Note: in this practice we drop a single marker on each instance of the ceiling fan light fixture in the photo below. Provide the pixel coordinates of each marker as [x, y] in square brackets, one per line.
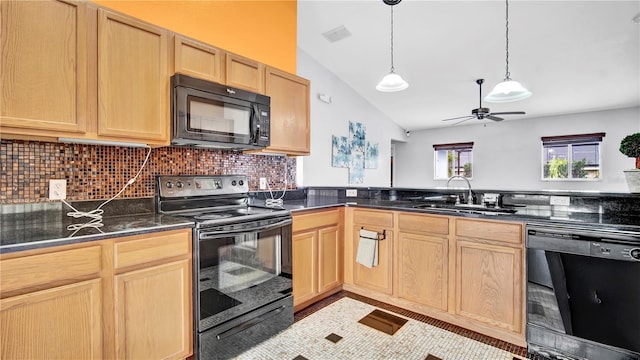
[392, 82]
[507, 91]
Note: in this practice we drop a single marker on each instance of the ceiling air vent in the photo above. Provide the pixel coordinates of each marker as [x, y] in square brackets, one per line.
[337, 34]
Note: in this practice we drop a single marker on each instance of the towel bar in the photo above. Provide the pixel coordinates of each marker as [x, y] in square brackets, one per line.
[380, 236]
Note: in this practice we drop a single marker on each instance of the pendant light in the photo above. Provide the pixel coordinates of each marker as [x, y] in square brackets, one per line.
[392, 81]
[508, 90]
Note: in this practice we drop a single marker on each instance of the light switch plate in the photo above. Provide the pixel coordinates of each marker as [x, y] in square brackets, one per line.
[560, 200]
[352, 192]
[263, 183]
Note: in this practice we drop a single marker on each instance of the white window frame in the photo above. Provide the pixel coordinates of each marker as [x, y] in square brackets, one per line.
[468, 146]
[569, 141]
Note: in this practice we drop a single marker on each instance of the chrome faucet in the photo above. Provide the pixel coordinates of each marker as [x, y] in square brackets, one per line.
[470, 195]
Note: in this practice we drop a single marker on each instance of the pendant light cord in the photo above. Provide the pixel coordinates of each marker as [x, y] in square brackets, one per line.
[507, 75]
[392, 68]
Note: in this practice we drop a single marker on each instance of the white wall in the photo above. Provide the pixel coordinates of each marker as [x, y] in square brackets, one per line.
[507, 155]
[333, 119]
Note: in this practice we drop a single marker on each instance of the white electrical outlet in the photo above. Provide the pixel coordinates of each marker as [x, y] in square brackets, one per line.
[263, 183]
[352, 192]
[560, 200]
[57, 189]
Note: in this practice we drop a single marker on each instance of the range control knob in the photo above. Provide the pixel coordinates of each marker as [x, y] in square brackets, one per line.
[635, 253]
[241, 182]
[169, 184]
[179, 184]
[233, 183]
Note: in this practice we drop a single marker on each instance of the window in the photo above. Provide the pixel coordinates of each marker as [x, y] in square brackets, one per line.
[453, 159]
[571, 157]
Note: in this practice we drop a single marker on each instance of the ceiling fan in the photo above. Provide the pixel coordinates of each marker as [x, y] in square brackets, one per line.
[483, 112]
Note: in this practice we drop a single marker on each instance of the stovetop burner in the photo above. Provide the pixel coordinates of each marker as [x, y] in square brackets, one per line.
[214, 216]
[210, 200]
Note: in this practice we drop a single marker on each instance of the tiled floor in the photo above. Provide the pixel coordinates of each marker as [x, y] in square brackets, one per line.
[331, 329]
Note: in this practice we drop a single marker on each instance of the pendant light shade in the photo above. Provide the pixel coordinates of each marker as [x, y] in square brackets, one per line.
[392, 81]
[508, 90]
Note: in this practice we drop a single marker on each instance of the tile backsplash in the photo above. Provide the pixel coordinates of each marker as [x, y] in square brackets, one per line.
[95, 172]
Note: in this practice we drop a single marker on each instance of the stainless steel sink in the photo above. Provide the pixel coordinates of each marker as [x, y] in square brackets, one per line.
[466, 208]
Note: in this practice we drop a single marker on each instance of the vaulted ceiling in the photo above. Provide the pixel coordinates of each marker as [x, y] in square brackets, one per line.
[575, 56]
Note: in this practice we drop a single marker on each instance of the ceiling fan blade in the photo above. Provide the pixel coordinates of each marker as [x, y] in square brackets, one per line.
[460, 117]
[509, 113]
[461, 121]
[494, 118]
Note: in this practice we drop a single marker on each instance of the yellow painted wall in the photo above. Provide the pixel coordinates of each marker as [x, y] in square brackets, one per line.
[263, 30]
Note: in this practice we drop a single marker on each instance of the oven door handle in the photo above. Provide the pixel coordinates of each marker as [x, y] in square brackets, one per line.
[236, 329]
[220, 233]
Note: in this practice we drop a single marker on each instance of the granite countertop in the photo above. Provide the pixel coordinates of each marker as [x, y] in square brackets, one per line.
[613, 222]
[32, 230]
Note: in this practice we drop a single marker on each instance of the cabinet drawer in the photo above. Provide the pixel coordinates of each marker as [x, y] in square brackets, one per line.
[315, 220]
[423, 223]
[378, 218]
[28, 271]
[136, 250]
[495, 231]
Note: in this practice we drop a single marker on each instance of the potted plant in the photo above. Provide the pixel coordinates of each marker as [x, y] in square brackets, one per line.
[630, 146]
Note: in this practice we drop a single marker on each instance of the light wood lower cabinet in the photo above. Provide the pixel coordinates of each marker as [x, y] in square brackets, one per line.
[125, 298]
[490, 273]
[317, 255]
[423, 269]
[151, 321]
[63, 322]
[377, 278]
[488, 284]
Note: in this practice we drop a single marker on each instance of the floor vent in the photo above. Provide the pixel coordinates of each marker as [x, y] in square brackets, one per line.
[383, 321]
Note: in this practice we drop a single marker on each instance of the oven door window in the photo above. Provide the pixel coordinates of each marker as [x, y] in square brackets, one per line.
[239, 273]
[217, 117]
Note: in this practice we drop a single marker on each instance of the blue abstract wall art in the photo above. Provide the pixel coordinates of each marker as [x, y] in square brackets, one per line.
[354, 152]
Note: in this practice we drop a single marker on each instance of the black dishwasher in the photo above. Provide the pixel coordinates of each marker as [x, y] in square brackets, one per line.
[583, 292]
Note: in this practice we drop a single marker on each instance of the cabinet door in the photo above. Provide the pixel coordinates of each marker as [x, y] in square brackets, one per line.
[290, 126]
[133, 80]
[423, 268]
[304, 266]
[43, 71]
[59, 323]
[197, 59]
[489, 285]
[377, 278]
[153, 312]
[244, 73]
[329, 258]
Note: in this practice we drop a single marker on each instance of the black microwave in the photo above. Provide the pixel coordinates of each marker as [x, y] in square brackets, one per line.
[208, 114]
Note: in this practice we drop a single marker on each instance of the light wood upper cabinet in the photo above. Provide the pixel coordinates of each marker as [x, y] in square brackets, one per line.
[244, 73]
[133, 80]
[152, 322]
[43, 69]
[317, 255]
[198, 59]
[290, 120]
